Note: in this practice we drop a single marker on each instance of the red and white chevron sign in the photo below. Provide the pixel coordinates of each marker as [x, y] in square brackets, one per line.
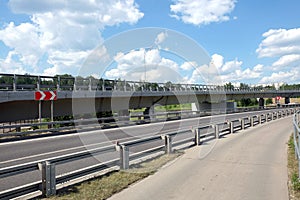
[45, 95]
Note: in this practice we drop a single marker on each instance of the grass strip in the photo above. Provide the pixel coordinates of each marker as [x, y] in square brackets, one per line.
[293, 183]
[109, 184]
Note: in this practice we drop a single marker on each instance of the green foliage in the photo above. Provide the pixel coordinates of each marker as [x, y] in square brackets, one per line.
[269, 101]
[247, 102]
[290, 87]
[295, 182]
[270, 87]
[244, 86]
[229, 86]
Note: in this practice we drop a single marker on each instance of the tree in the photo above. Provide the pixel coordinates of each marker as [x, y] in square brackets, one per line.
[244, 86]
[229, 86]
[269, 101]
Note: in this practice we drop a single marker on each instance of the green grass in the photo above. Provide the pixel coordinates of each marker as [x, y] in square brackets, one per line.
[109, 184]
[294, 183]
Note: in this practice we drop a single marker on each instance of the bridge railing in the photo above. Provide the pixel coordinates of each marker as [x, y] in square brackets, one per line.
[16, 82]
[163, 143]
[296, 137]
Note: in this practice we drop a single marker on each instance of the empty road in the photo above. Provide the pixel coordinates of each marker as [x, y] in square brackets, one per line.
[248, 165]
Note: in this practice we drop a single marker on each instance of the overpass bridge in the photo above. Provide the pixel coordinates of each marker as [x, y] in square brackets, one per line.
[89, 95]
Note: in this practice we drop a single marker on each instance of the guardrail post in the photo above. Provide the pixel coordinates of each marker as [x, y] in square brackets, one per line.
[196, 132]
[75, 82]
[272, 116]
[15, 83]
[125, 86]
[266, 117]
[231, 127]
[259, 119]
[18, 129]
[217, 131]
[48, 178]
[58, 84]
[298, 149]
[252, 121]
[242, 124]
[168, 144]
[124, 157]
[38, 83]
[90, 84]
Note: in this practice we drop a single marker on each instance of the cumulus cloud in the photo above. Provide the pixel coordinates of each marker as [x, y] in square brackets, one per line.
[287, 60]
[284, 46]
[161, 37]
[291, 76]
[279, 42]
[9, 65]
[63, 31]
[229, 71]
[258, 68]
[202, 11]
[187, 66]
[140, 65]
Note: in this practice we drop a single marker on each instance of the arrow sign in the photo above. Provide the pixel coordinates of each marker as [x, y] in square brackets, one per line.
[45, 95]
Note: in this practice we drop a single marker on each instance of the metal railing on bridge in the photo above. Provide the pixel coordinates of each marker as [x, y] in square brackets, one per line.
[163, 143]
[15, 82]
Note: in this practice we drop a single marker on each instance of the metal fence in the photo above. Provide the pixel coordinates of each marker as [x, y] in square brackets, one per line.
[62, 127]
[164, 143]
[296, 136]
[16, 82]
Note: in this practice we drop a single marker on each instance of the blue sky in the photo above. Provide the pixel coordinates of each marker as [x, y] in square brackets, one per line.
[247, 41]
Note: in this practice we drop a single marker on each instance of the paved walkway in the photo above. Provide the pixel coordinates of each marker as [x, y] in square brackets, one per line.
[250, 164]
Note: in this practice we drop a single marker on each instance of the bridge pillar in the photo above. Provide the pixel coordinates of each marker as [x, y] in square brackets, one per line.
[287, 100]
[261, 103]
[124, 115]
[149, 111]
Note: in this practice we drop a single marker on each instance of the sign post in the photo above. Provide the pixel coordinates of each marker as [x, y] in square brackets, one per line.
[45, 96]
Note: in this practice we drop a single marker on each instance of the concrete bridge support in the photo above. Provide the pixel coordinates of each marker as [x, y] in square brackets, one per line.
[124, 115]
[149, 111]
[261, 103]
[287, 100]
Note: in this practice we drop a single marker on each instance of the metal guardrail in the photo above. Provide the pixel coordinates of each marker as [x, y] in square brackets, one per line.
[296, 137]
[20, 130]
[17, 82]
[165, 142]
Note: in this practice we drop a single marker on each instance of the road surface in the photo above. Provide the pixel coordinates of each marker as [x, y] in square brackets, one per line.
[249, 165]
[18, 152]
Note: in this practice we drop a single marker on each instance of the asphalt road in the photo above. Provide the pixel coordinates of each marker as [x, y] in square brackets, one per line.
[251, 165]
[18, 152]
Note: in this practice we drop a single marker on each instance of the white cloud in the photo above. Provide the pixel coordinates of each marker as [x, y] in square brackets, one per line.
[9, 65]
[217, 60]
[140, 64]
[220, 71]
[231, 66]
[291, 76]
[187, 66]
[202, 11]
[258, 68]
[161, 37]
[24, 39]
[287, 60]
[63, 31]
[280, 42]
[284, 46]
